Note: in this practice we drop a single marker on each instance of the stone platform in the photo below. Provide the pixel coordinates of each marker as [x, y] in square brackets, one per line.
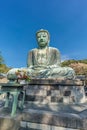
[37, 119]
[55, 104]
[55, 91]
[49, 105]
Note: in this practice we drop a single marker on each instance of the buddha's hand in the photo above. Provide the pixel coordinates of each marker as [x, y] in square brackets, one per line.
[40, 66]
[52, 66]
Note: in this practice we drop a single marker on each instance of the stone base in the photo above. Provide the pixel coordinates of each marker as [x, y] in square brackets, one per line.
[42, 119]
[49, 120]
[49, 105]
[55, 91]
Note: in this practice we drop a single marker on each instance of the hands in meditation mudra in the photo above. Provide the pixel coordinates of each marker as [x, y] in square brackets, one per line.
[43, 61]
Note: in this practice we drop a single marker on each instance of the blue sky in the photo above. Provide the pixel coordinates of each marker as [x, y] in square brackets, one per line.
[66, 20]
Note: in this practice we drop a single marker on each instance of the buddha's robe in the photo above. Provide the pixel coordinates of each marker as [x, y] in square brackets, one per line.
[47, 65]
[44, 64]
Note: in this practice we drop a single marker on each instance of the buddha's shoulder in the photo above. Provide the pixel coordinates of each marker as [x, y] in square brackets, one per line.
[53, 49]
[33, 50]
[50, 48]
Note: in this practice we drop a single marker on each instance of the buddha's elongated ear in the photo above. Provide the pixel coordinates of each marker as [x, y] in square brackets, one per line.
[48, 42]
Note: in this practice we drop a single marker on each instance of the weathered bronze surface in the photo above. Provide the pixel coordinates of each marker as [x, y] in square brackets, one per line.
[43, 61]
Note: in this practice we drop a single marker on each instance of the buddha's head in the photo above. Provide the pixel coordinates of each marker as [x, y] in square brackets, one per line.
[43, 38]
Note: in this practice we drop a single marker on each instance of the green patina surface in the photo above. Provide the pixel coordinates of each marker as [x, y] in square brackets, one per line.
[13, 89]
[43, 61]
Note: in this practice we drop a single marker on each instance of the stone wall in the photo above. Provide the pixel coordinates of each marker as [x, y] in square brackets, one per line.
[55, 91]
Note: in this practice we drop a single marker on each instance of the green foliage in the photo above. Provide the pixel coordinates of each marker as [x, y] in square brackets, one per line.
[3, 67]
[83, 61]
[1, 59]
[79, 70]
[68, 62]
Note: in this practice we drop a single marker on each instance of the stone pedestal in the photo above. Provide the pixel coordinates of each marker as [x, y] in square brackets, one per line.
[50, 120]
[50, 104]
[55, 104]
[46, 91]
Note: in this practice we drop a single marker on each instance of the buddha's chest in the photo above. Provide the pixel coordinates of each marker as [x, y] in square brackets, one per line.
[42, 57]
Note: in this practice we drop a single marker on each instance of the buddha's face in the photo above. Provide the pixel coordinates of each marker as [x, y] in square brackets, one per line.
[42, 39]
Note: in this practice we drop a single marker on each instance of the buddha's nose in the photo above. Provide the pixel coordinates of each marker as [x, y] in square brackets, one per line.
[41, 38]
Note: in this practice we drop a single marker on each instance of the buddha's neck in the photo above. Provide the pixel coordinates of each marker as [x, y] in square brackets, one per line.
[43, 48]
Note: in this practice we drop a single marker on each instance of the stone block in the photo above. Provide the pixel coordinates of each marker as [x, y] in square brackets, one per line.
[23, 124]
[38, 92]
[34, 98]
[67, 93]
[60, 81]
[38, 86]
[66, 99]
[48, 99]
[48, 92]
[54, 87]
[57, 99]
[55, 93]
[38, 126]
[61, 128]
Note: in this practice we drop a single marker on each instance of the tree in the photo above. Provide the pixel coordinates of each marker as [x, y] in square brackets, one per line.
[1, 59]
[3, 66]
